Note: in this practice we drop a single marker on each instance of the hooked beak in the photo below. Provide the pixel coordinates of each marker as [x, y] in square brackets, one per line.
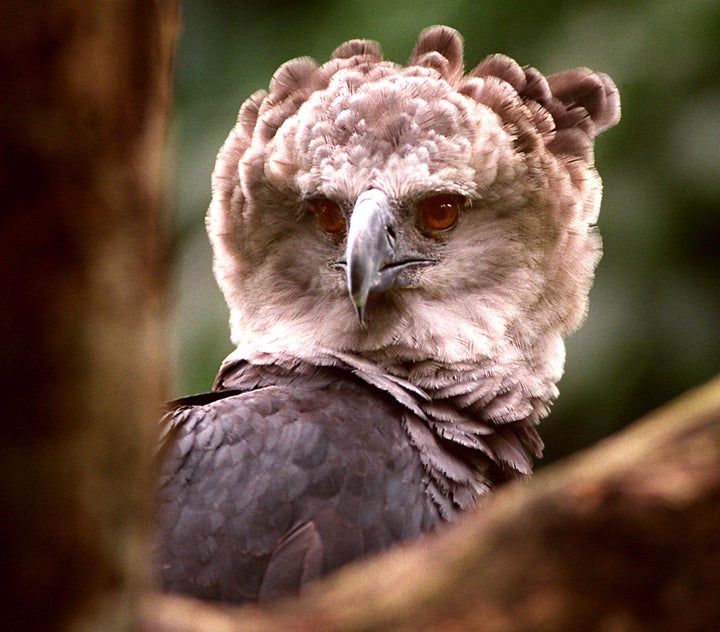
[373, 260]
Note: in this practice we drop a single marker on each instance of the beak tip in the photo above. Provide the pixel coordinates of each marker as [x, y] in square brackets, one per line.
[360, 313]
[358, 302]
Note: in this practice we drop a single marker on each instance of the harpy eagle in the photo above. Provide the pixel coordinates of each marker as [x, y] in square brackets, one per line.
[402, 250]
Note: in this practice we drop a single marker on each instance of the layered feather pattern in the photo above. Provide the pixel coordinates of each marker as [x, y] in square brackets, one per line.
[464, 357]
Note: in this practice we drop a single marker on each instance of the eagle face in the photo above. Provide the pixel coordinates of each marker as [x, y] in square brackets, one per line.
[412, 214]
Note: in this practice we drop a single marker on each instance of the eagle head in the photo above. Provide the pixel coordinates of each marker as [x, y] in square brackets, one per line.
[435, 223]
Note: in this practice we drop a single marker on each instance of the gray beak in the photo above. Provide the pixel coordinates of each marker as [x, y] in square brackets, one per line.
[373, 261]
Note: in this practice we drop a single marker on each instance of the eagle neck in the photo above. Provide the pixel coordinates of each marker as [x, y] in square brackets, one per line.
[467, 446]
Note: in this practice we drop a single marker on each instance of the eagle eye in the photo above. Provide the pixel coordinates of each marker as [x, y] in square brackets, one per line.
[439, 212]
[329, 215]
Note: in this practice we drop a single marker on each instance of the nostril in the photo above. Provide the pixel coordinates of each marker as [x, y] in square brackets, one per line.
[391, 234]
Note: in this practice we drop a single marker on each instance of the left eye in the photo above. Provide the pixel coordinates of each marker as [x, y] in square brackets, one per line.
[439, 212]
[329, 215]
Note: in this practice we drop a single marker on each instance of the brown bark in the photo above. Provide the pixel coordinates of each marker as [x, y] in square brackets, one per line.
[82, 118]
[622, 538]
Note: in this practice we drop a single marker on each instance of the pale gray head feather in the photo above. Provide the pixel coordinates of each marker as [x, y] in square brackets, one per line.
[475, 348]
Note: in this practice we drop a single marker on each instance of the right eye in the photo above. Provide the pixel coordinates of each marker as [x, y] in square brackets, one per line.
[329, 215]
[440, 212]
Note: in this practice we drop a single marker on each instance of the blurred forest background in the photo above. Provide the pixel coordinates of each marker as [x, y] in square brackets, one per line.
[653, 326]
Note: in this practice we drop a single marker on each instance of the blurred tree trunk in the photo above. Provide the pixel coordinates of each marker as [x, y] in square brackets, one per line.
[622, 538]
[82, 121]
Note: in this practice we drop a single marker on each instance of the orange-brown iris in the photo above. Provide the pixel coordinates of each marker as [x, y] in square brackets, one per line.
[439, 212]
[329, 215]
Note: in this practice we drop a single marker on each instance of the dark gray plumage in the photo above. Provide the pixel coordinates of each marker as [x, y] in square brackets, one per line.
[402, 251]
[284, 493]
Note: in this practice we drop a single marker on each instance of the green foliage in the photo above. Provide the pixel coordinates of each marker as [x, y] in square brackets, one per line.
[652, 330]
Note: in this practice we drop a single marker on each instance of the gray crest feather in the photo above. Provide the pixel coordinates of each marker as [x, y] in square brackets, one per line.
[296, 78]
[368, 50]
[440, 42]
[502, 67]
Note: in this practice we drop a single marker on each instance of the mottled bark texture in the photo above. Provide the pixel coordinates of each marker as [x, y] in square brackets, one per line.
[86, 90]
[621, 538]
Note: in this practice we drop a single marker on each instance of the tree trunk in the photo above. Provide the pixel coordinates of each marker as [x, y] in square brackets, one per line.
[622, 538]
[82, 120]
